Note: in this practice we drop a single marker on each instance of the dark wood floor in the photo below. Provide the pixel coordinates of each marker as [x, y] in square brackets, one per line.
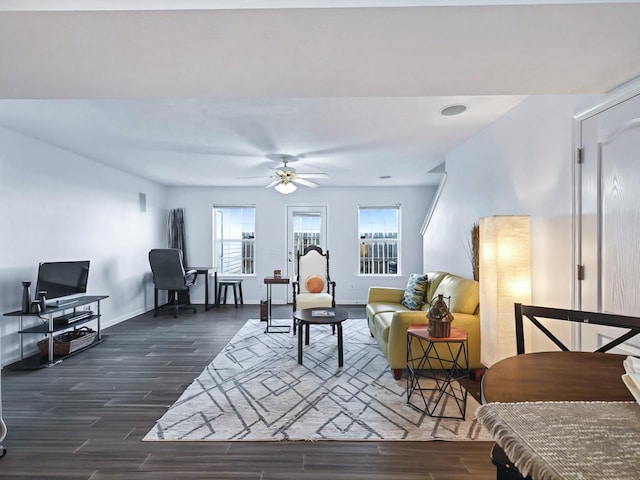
[84, 418]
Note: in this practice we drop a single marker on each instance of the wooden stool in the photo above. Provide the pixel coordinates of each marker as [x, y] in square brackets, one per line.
[237, 289]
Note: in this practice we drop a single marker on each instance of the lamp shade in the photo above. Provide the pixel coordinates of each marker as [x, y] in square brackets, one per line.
[285, 187]
[505, 279]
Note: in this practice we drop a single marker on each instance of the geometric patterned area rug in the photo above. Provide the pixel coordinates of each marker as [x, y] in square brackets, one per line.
[255, 390]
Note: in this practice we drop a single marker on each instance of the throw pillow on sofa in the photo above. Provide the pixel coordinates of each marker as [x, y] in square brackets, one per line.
[413, 297]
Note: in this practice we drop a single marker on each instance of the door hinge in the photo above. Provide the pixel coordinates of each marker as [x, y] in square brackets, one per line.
[580, 272]
[579, 157]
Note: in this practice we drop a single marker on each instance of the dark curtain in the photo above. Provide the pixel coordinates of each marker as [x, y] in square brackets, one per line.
[176, 232]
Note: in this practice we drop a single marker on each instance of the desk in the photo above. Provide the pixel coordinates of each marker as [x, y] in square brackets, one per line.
[553, 377]
[206, 271]
[269, 281]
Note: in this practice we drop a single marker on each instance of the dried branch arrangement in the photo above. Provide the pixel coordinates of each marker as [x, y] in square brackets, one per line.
[474, 251]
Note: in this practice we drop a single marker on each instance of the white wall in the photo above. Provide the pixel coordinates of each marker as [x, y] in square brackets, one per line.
[342, 229]
[521, 164]
[56, 206]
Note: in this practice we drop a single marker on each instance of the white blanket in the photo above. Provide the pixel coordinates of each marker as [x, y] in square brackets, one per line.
[632, 364]
[632, 378]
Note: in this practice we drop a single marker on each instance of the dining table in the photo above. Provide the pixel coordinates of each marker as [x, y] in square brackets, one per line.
[207, 272]
[561, 415]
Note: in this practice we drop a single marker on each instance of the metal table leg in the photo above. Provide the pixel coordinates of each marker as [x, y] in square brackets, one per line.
[300, 340]
[271, 328]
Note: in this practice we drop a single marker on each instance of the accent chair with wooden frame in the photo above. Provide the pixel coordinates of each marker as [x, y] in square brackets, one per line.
[312, 285]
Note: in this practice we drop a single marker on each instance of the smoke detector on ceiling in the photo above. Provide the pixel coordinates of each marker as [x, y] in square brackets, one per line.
[452, 110]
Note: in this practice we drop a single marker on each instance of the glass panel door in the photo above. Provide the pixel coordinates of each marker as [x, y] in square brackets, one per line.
[305, 226]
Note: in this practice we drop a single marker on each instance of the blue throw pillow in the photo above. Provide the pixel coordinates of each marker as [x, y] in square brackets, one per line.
[413, 297]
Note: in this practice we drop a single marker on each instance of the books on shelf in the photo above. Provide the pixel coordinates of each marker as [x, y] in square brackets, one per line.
[323, 313]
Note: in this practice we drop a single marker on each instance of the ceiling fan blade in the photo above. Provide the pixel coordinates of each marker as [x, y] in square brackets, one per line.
[312, 175]
[304, 182]
[273, 184]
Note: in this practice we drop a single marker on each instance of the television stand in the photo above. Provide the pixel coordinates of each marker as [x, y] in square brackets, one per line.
[61, 303]
[57, 321]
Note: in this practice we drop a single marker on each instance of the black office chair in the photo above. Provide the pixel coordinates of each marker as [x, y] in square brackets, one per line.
[169, 274]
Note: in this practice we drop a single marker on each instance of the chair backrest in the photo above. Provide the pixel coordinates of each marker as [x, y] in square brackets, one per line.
[313, 262]
[167, 268]
[534, 313]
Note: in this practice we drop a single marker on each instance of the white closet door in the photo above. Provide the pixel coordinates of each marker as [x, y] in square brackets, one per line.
[610, 219]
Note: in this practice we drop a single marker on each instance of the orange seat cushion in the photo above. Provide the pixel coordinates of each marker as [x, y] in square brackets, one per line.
[315, 284]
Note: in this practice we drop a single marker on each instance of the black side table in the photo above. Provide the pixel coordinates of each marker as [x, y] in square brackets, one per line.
[271, 328]
[431, 377]
[319, 316]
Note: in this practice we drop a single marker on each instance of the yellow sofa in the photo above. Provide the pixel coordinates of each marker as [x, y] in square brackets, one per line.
[389, 319]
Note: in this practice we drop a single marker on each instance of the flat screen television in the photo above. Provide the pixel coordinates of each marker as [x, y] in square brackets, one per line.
[63, 281]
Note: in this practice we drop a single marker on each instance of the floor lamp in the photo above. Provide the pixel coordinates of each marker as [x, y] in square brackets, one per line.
[505, 279]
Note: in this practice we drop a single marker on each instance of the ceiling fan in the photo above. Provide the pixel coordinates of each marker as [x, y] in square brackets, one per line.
[286, 178]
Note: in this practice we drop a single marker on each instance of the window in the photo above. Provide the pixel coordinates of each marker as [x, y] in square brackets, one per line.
[379, 229]
[234, 240]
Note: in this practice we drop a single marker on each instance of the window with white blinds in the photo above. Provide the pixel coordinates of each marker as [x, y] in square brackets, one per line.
[379, 242]
[234, 239]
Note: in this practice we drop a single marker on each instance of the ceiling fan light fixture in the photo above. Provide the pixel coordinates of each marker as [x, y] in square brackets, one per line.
[285, 187]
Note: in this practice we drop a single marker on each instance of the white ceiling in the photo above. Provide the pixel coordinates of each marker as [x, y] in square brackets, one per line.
[207, 96]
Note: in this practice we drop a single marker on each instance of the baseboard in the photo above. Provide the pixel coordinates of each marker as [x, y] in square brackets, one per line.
[122, 318]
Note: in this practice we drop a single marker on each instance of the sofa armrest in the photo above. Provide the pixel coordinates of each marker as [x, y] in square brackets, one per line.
[402, 321]
[397, 344]
[385, 294]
